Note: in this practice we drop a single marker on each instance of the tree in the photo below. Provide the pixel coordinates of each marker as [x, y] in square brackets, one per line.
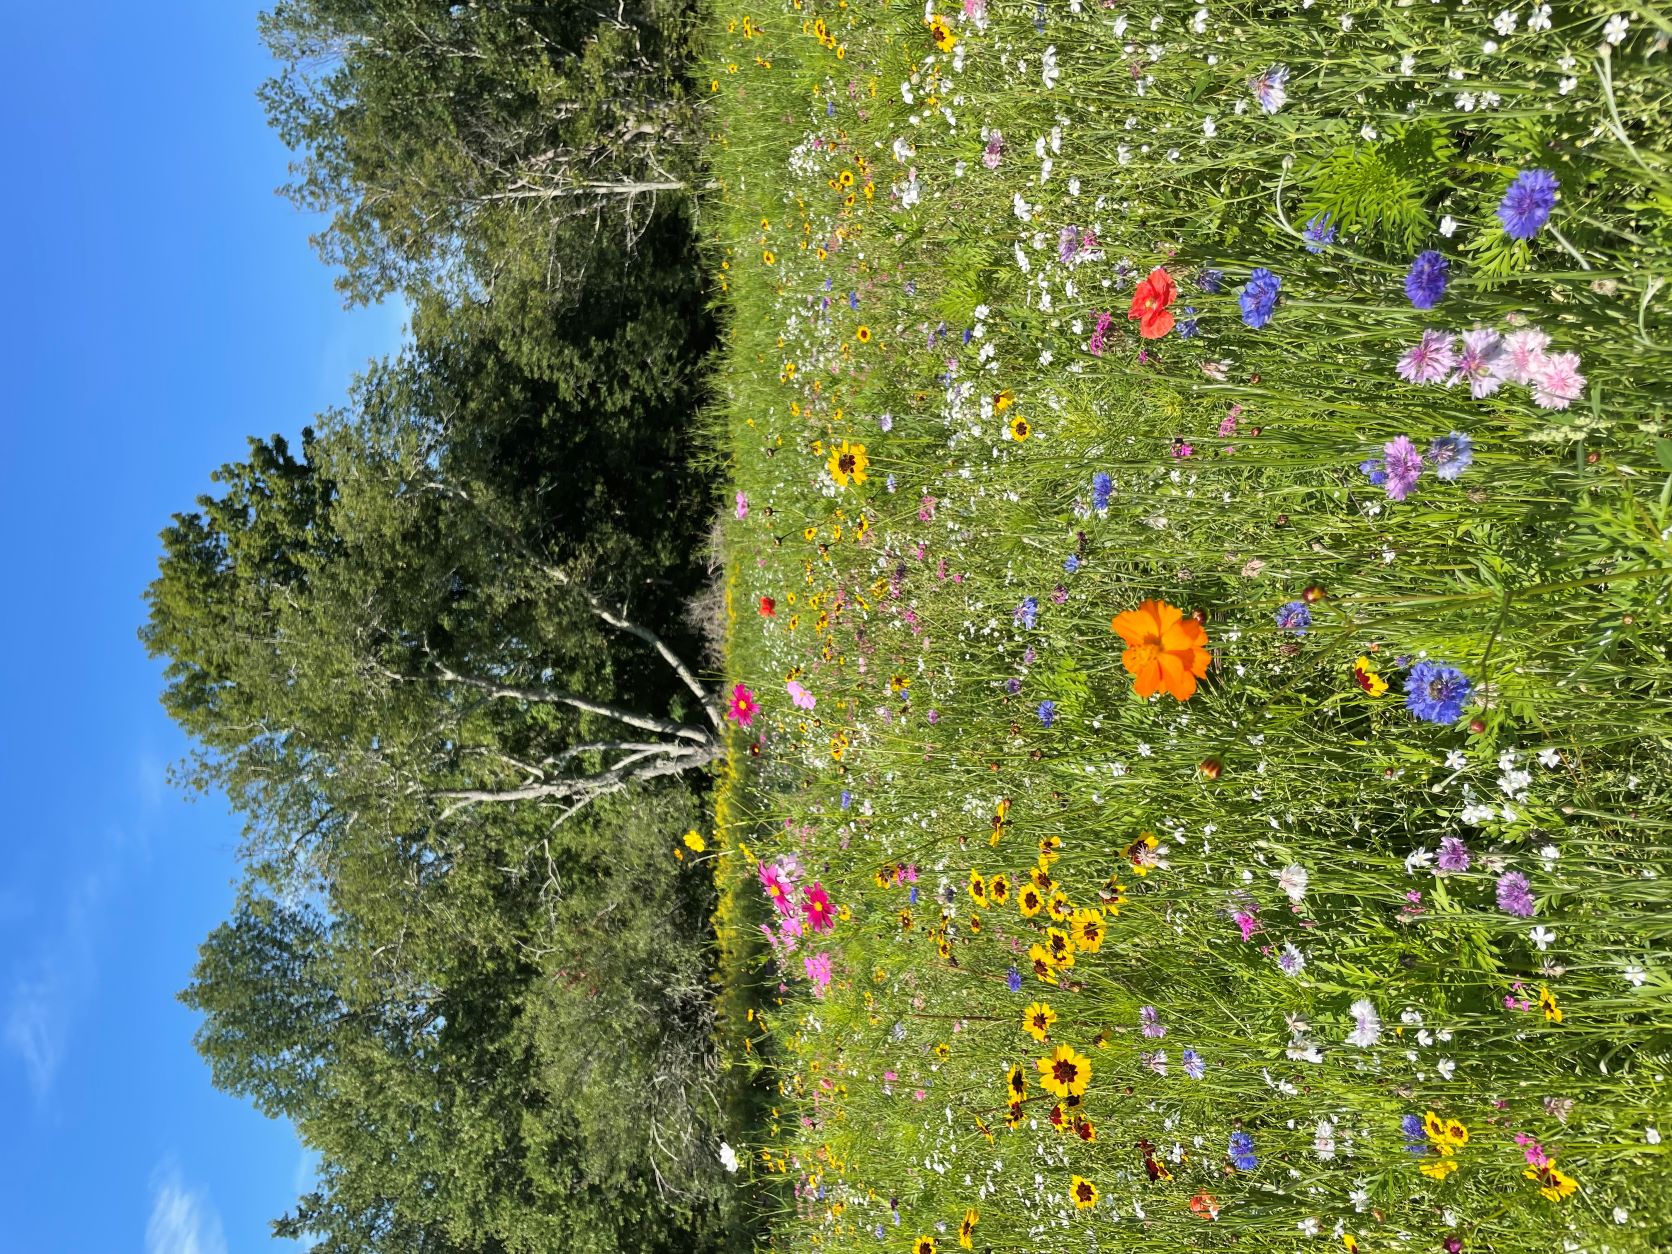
[450, 142]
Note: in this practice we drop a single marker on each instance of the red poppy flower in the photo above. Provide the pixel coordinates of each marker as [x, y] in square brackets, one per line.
[769, 607]
[1150, 304]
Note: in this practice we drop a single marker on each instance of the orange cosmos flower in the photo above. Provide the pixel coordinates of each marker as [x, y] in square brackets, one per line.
[1164, 649]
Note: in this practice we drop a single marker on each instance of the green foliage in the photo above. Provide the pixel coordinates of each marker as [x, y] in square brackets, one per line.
[1383, 189]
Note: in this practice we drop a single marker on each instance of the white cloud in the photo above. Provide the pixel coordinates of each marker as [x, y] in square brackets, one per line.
[52, 987]
[183, 1220]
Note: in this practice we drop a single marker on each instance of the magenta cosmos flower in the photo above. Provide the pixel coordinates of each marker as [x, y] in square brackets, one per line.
[743, 706]
[815, 904]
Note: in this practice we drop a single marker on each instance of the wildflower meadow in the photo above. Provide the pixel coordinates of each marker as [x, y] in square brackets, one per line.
[1198, 541]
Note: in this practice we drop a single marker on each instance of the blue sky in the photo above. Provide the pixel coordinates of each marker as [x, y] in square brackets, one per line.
[161, 303]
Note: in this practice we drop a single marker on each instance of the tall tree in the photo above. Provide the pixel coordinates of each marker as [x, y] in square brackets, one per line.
[450, 143]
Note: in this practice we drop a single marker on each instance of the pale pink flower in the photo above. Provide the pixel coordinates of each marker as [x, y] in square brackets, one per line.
[1556, 381]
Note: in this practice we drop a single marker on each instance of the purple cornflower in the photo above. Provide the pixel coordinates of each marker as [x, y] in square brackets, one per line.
[1241, 1151]
[1211, 281]
[1068, 244]
[1187, 323]
[1476, 364]
[1094, 346]
[1027, 613]
[1195, 1066]
[1259, 297]
[1526, 206]
[1436, 693]
[1453, 855]
[1294, 616]
[1268, 88]
[1425, 282]
[1450, 455]
[1430, 360]
[1515, 894]
[1013, 978]
[847, 798]
[1047, 713]
[1149, 1020]
[1416, 1140]
[1013, 686]
[1319, 233]
[1101, 487]
[1291, 960]
[994, 152]
[1403, 465]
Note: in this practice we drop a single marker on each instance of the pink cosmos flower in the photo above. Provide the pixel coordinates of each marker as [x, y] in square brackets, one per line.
[743, 706]
[803, 699]
[742, 505]
[815, 904]
[817, 967]
[776, 889]
[1556, 381]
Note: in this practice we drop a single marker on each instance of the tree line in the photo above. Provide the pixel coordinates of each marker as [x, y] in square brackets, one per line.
[438, 651]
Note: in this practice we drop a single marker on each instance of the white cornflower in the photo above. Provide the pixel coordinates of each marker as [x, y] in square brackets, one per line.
[1542, 936]
[1614, 31]
[1367, 1024]
[1323, 1140]
[1208, 127]
[1504, 23]
[1049, 71]
[1292, 880]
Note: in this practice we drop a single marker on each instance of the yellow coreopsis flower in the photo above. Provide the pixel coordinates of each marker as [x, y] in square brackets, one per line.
[1065, 1073]
[1083, 1191]
[694, 841]
[848, 464]
[966, 1230]
[1037, 1020]
[1088, 930]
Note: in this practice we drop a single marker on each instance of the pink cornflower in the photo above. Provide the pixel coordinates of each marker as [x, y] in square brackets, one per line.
[1430, 360]
[1476, 363]
[1228, 424]
[1403, 465]
[743, 706]
[1522, 352]
[1556, 381]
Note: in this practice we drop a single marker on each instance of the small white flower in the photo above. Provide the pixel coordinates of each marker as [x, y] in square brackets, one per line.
[1408, 64]
[1445, 1067]
[1466, 101]
[1615, 29]
[1539, 18]
[1455, 761]
[1566, 85]
[1199, 23]
[1636, 975]
[1208, 127]
[1367, 132]
[1309, 1226]
[1417, 860]
[1346, 22]
[1549, 757]
[1542, 936]
[1621, 1214]
[1651, 1134]
[728, 1157]
[1504, 23]
[1360, 1198]
[1489, 47]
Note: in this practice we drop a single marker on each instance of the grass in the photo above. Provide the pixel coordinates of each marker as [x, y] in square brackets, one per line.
[1256, 863]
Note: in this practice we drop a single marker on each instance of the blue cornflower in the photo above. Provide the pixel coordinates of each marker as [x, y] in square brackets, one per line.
[847, 798]
[1436, 693]
[1195, 1066]
[911, 897]
[1101, 487]
[1211, 281]
[1319, 232]
[1374, 469]
[1071, 563]
[829, 108]
[1416, 1140]
[853, 300]
[1187, 323]
[1450, 455]
[1013, 686]
[1425, 282]
[1047, 712]
[1526, 206]
[1027, 613]
[1013, 978]
[1259, 297]
[1242, 1151]
[1296, 616]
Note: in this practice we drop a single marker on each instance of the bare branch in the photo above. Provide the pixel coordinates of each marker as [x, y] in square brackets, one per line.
[555, 696]
[621, 623]
[676, 759]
